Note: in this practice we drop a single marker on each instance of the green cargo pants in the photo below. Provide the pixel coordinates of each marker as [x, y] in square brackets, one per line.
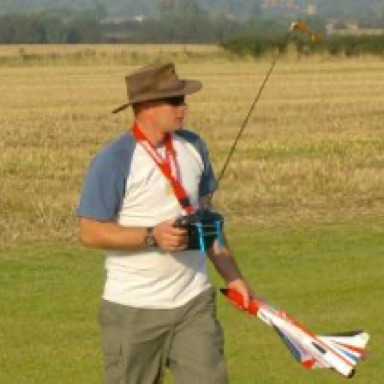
[139, 343]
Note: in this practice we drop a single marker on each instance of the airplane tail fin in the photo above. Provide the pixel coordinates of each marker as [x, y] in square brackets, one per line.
[351, 345]
[340, 352]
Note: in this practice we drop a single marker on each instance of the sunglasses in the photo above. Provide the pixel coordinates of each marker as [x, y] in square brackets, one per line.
[175, 101]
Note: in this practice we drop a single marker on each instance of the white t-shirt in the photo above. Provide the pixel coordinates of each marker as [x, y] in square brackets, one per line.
[125, 185]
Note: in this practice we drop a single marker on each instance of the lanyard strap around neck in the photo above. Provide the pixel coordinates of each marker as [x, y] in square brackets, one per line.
[168, 165]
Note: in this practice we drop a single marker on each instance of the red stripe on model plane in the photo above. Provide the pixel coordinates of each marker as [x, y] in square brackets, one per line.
[350, 347]
[309, 363]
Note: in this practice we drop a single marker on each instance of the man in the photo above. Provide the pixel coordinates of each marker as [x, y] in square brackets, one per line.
[158, 307]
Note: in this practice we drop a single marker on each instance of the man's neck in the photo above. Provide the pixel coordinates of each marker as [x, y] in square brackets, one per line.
[154, 135]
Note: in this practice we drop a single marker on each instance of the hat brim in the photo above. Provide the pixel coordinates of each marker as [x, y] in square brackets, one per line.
[189, 87]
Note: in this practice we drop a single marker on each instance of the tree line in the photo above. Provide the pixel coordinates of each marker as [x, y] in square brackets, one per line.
[46, 29]
[188, 26]
[253, 36]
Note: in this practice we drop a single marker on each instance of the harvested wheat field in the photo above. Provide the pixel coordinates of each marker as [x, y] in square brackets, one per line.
[312, 151]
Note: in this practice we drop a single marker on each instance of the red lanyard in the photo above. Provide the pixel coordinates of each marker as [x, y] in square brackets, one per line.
[168, 165]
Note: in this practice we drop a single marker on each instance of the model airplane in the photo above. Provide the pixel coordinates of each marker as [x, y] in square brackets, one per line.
[339, 352]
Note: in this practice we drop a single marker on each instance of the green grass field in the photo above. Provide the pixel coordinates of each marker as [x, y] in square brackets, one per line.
[330, 278]
[303, 201]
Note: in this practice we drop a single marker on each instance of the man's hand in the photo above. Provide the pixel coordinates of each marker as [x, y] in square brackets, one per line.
[240, 286]
[169, 237]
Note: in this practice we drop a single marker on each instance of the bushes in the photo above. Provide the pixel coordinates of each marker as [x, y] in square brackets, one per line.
[353, 45]
[253, 46]
[349, 45]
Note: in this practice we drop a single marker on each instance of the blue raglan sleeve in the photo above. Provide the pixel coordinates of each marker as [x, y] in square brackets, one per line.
[103, 190]
[208, 179]
[105, 182]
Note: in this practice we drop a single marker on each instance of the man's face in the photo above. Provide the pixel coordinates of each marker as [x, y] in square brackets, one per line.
[168, 114]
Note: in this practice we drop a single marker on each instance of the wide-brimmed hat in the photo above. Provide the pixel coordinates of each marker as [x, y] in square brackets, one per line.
[155, 82]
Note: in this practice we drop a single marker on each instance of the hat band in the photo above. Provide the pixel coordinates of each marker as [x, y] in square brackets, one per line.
[156, 94]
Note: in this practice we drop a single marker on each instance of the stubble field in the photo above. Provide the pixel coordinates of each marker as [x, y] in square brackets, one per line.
[303, 199]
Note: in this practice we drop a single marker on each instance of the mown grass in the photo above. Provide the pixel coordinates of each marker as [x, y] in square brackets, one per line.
[303, 200]
[330, 278]
[312, 151]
